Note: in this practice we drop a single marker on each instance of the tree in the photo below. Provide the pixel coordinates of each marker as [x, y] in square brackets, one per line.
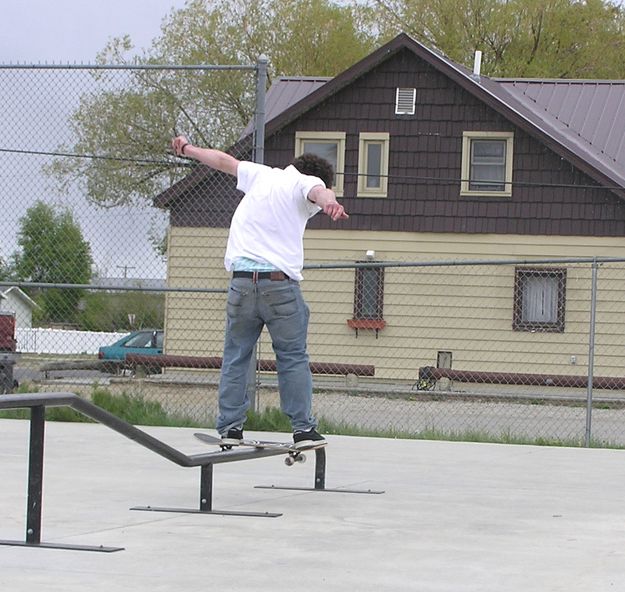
[128, 126]
[53, 251]
[124, 126]
[105, 311]
[518, 38]
[5, 272]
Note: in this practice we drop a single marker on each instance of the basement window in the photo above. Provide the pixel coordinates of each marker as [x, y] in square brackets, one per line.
[368, 300]
[539, 300]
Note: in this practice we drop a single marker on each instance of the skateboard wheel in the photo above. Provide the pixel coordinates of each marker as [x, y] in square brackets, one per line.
[288, 461]
[301, 458]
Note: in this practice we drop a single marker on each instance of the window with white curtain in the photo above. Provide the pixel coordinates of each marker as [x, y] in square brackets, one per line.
[539, 300]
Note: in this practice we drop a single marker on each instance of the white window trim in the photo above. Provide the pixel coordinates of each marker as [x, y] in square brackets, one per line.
[329, 137]
[364, 139]
[467, 138]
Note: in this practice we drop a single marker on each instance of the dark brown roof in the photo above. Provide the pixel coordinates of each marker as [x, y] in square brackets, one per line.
[590, 112]
[285, 92]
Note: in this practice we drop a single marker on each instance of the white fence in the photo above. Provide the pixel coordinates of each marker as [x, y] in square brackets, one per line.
[61, 341]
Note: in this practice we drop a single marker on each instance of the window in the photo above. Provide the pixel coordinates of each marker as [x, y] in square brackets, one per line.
[373, 164]
[405, 99]
[539, 300]
[328, 145]
[368, 299]
[487, 164]
[143, 339]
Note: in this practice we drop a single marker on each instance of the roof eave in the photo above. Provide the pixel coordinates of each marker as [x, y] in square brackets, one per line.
[164, 199]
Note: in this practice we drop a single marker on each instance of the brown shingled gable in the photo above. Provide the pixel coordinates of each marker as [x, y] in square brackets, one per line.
[426, 151]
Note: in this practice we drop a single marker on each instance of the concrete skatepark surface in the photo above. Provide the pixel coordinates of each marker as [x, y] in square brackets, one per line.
[453, 517]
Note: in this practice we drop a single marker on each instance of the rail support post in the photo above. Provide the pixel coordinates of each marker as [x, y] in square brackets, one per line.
[35, 491]
[35, 475]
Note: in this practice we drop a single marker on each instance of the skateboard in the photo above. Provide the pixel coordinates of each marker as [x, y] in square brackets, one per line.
[294, 454]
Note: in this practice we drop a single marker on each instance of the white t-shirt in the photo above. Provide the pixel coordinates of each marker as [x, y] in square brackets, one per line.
[268, 225]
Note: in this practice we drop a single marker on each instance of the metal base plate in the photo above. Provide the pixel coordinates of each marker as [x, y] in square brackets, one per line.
[321, 489]
[98, 549]
[218, 512]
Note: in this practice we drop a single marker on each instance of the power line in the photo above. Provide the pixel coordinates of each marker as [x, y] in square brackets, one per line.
[93, 157]
[459, 180]
[416, 178]
[125, 268]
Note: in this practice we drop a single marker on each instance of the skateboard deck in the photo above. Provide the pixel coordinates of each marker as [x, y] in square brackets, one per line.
[294, 454]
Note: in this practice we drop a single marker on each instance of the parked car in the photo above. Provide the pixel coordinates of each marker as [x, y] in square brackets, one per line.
[147, 342]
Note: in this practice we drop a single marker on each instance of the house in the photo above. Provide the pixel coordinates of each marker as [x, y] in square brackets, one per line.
[434, 162]
[16, 301]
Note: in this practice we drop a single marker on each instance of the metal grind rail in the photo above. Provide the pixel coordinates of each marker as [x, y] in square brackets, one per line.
[37, 403]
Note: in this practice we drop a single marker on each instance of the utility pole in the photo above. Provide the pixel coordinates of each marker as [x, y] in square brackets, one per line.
[125, 268]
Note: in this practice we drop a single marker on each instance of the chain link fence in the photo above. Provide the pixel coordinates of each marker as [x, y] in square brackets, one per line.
[111, 277]
[504, 350]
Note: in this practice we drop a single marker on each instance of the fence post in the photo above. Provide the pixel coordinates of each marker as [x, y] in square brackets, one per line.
[259, 113]
[591, 353]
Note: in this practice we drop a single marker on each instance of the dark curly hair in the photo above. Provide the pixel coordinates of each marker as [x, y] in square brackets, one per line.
[311, 164]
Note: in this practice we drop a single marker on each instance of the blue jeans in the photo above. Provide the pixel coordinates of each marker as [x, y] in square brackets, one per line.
[280, 306]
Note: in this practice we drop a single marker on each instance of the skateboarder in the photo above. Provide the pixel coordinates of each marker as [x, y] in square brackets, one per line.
[265, 254]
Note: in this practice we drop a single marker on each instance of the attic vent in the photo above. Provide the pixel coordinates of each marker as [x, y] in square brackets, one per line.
[405, 101]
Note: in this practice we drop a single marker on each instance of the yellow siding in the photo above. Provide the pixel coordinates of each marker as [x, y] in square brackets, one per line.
[194, 321]
[463, 309]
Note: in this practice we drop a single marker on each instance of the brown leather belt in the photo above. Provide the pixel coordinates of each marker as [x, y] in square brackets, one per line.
[274, 276]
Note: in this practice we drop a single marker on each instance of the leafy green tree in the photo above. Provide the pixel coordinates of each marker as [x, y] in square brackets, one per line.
[53, 250]
[125, 124]
[518, 38]
[128, 127]
[105, 311]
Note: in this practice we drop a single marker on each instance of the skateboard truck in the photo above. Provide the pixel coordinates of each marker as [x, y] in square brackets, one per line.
[293, 455]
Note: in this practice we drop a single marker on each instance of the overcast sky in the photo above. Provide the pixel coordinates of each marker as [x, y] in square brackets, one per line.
[74, 32]
[68, 31]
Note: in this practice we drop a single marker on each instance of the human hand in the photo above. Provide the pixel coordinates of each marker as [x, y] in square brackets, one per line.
[335, 210]
[178, 145]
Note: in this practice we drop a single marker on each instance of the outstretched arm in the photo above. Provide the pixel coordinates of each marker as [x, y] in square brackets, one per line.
[215, 159]
[326, 200]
